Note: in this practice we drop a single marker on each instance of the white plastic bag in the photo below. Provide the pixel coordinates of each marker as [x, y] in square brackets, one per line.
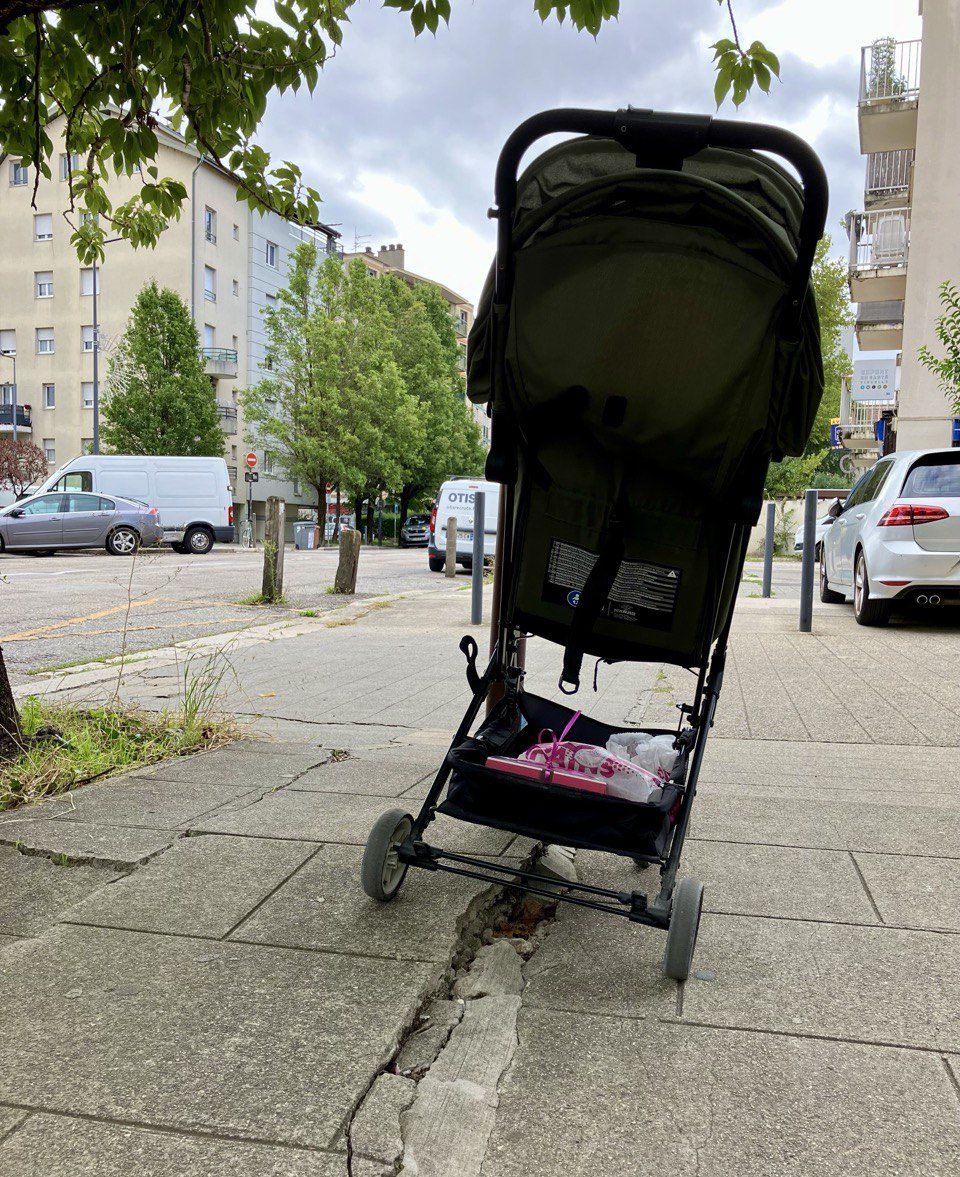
[655, 754]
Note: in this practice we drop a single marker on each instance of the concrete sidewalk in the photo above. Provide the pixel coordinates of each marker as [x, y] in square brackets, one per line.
[193, 983]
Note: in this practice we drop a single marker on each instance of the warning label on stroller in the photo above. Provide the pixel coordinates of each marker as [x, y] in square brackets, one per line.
[642, 593]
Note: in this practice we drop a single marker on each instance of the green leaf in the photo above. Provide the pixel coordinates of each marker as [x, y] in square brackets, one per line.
[762, 74]
[721, 86]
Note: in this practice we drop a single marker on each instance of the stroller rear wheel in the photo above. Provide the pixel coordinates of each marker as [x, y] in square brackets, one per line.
[684, 925]
[382, 872]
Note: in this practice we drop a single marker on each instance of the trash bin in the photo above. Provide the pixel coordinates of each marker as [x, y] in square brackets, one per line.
[304, 536]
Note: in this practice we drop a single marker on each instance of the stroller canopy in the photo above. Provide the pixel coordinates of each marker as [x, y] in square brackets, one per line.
[644, 369]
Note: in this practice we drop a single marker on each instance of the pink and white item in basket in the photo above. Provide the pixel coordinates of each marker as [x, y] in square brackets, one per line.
[559, 761]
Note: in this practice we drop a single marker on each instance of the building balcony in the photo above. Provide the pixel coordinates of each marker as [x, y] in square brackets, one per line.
[889, 95]
[879, 248]
[888, 179]
[858, 421]
[228, 418]
[219, 363]
[461, 328]
[879, 326]
[232, 474]
[24, 419]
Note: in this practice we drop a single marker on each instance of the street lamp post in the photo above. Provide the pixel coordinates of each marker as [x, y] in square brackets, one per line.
[12, 355]
[96, 357]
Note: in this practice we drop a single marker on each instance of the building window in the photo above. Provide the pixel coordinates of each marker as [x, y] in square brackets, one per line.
[86, 281]
[43, 227]
[236, 232]
[210, 225]
[87, 218]
[44, 341]
[8, 343]
[271, 301]
[49, 450]
[49, 396]
[86, 338]
[267, 462]
[209, 335]
[209, 284]
[267, 362]
[271, 255]
[69, 164]
[234, 343]
[6, 394]
[233, 452]
[43, 283]
[236, 288]
[86, 445]
[86, 390]
[19, 174]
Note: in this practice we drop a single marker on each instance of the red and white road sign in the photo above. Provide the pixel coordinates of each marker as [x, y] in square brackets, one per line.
[251, 459]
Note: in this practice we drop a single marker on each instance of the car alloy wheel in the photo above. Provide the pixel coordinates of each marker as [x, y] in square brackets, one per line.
[124, 541]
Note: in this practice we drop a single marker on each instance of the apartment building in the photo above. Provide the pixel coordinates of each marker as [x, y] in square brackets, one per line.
[904, 241]
[392, 259]
[217, 257]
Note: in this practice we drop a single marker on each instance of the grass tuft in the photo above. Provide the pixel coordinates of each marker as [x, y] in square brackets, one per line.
[260, 599]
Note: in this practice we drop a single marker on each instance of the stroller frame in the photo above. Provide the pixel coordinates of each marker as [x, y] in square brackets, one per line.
[397, 840]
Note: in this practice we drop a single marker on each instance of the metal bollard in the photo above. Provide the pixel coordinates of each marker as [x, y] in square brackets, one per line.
[809, 559]
[479, 538]
[450, 564]
[768, 550]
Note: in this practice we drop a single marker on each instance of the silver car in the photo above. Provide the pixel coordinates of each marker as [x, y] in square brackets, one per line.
[896, 537]
[46, 522]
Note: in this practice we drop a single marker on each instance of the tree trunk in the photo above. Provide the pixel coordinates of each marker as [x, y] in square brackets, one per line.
[10, 734]
[336, 522]
[405, 496]
[358, 511]
[370, 518]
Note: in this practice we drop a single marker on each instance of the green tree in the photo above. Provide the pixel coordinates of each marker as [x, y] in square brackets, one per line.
[947, 328]
[427, 353]
[157, 399]
[105, 69]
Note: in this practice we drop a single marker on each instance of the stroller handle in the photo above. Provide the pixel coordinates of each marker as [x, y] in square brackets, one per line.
[663, 136]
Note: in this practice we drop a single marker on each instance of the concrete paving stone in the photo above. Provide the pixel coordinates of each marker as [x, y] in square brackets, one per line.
[197, 1034]
[384, 773]
[239, 768]
[590, 1096]
[805, 759]
[854, 789]
[61, 1146]
[914, 892]
[148, 803]
[327, 735]
[828, 825]
[9, 1119]
[35, 892]
[201, 886]
[323, 907]
[375, 1130]
[870, 984]
[339, 817]
[112, 845]
[752, 880]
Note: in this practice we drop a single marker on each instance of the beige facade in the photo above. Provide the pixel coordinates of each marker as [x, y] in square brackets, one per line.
[904, 243]
[392, 259]
[46, 297]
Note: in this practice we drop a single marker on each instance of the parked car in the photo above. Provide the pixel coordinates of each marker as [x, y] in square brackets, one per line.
[43, 523]
[456, 498]
[193, 495]
[896, 537]
[415, 533]
[823, 523]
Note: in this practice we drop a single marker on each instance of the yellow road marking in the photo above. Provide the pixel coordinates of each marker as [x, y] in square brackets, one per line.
[32, 633]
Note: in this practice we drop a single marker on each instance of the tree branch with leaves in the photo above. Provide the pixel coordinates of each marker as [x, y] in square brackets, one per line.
[947, 328]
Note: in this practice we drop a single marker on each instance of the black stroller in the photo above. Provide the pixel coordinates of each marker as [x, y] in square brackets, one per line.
[647, 343]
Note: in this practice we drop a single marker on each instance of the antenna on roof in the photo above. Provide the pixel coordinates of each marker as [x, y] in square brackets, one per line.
[359, 239]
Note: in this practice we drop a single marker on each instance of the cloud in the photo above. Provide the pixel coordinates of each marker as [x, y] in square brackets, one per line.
[402, 134]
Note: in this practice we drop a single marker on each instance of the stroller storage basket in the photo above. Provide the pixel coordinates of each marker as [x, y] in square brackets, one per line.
[554, 813]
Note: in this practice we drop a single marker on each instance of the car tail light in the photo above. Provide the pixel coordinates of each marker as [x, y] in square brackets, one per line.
[912, 514]
[152, 511]
[230, 515]
[433, 521]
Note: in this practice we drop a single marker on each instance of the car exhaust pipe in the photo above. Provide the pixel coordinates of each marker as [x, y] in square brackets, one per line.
[933, 599]
[922, 599]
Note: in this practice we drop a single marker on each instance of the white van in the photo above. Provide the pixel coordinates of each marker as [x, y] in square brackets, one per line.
[456, 498]
[193, 495]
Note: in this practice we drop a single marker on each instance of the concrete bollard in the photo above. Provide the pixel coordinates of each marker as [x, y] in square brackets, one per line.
[768, 540]
[450, 567]
[345, 580]
[272, 588]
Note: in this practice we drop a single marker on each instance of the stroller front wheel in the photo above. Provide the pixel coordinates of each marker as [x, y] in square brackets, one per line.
[382, 872]
[684, 925]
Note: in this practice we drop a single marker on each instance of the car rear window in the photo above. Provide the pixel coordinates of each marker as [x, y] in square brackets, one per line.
[935, 480]
[107, 505]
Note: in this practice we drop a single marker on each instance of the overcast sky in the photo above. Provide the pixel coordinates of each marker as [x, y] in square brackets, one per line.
[402, 134]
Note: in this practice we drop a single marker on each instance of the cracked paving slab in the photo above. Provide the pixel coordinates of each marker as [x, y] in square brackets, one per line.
[62, 1146]
[589, 1096]
[200, 1035]
[35, 892]
[112, 846]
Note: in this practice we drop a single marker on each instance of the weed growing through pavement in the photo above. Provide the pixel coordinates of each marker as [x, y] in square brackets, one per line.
[260, 599]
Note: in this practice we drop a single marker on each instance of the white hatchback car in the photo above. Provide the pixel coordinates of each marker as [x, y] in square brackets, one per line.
[896, 536]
